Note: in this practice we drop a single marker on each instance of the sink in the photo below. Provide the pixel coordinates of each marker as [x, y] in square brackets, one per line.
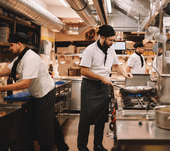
[10, 106]
[139, 113]
[6, 110]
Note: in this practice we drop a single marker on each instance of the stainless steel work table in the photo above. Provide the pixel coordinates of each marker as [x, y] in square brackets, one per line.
[142, 136]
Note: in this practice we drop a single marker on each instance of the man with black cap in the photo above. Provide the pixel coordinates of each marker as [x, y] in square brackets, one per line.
[96, 63]
[34, 75]
[136, 62]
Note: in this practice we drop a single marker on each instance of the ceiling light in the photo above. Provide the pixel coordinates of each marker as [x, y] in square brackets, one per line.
[62, 59]
[109, 6]
[54, 30]
[64, 3]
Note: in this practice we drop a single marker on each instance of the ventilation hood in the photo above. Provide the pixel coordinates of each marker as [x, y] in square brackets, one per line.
[42, 17]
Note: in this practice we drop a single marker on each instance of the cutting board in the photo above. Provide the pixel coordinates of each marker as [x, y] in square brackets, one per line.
[20, 97]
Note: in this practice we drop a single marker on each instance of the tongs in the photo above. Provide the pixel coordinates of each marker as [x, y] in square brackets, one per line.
[118, 86]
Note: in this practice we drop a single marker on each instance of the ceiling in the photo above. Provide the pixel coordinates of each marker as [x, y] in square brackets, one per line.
[127, 15]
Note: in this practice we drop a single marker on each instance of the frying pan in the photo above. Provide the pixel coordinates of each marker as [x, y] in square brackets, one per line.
[135, 89]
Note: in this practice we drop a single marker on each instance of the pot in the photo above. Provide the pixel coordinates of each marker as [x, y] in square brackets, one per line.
[136, 89]
[162, 116]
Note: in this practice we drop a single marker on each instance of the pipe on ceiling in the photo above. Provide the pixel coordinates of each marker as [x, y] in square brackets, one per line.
[101, 11]
[82, 9]
[34, 12]
[42, 17]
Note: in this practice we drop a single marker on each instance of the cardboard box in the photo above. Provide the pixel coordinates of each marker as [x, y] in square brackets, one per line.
[4, 34]
[4, 30]
[4, 37]
[71, 49]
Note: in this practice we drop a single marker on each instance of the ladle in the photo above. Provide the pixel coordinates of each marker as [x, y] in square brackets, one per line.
[154, 68]
[153, 29]
[160, 37]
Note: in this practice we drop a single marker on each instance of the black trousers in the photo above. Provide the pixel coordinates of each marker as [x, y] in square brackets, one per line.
[58, 139]
[46, 128]
[83, 134]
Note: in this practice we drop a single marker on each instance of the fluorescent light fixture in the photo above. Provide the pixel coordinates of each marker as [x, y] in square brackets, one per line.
[55, 30]
[109, 6]
[64, 3]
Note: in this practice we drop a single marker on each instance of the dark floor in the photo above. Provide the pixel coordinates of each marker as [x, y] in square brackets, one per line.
[70, 130]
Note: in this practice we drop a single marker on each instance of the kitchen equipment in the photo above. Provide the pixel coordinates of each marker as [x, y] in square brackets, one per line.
[154, 68]
[153, 29]
[160, 37]
[135, 80]
[18, 97]
[135, 89]
[163, 88]
[162, 116]
[138, 101]
[74, 72]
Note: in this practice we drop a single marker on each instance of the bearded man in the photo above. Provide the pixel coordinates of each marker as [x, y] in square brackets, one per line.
[96, 63]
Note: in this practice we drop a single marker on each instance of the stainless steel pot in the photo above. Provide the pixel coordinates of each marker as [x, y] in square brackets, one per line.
[162, 116]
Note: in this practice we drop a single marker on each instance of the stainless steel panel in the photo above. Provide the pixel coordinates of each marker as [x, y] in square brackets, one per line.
[75, 95]
[132, 130]
[132, 136]
[138, 80]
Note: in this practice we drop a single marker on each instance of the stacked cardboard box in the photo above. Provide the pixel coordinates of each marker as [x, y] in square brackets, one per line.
[4, 34]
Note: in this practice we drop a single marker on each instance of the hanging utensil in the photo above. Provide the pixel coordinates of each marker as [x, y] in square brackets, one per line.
[138, 31]
[160, 37]
[154, 68]
[148, 34]
[152, 28]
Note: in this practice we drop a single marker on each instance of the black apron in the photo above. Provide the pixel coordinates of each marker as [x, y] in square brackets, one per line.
[43, 118]
[94, 102]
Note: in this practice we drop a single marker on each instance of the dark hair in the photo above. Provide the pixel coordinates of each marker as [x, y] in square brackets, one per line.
[168, 41]
[136, 45]
[19, 37]
[106, 31]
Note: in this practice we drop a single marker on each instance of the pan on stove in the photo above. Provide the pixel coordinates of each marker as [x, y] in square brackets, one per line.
[136, 89]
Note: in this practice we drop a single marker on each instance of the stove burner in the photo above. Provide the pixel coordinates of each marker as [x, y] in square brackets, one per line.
[137, 101]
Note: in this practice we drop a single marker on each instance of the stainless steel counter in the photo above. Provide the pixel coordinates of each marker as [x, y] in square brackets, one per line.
[135, 132]
[135, 115]
[142, 136]
[146, 131]
[7, 108]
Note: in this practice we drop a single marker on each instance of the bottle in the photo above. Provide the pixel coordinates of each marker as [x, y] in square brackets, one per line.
[9, 81]
[51, 72]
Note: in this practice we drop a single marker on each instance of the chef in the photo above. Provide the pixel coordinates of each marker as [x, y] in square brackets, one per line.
[96, 63]
[34, 76]
[157, 62]
[136, 62]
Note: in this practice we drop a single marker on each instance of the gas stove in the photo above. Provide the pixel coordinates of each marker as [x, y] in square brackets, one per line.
[138, 101]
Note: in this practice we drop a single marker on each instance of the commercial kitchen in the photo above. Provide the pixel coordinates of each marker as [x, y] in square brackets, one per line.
[60, 30]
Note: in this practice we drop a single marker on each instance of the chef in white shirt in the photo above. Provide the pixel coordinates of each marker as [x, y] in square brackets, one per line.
[157, 62]
[136, 62]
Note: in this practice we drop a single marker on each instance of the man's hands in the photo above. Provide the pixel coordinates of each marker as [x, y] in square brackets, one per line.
[1, 87]
[107, 81]
[128, 75]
